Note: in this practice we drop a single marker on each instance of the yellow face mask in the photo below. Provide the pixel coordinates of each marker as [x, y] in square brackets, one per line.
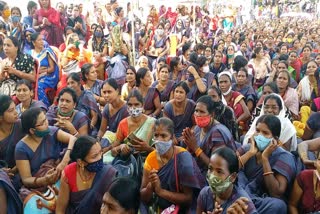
[6, 13]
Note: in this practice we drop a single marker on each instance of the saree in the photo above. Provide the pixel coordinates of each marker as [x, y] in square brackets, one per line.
[149, 98]
[189, 176]
[180, 121]
[79, 119]
[206, 200]
[46, 81]
[251, 179]
[34, 104]
[234, 103]
[48, 149]
[165, 93]
[14, 203]
[218, 136]
[8, 144]
[90, 200]
[114, 120]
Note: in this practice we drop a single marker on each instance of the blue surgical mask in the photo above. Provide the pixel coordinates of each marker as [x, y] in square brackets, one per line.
[15, 19]
[95, 166]
[163, 146]
[262, 142]
[41, 133]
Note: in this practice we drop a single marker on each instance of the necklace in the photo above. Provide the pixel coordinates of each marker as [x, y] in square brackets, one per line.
[84, 180]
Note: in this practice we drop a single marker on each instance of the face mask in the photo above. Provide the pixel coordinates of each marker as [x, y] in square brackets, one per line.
[160, 32]
[135, 112]
[230, 55]
[262, 142]
[15, 19]
[227, 92]
[68, 114]
[190, 78]
[98, 34]
[6, 13]
[41, 133]
[163, 146]
[205, 69]
[202, 121]
[95, 166]
[217, 185]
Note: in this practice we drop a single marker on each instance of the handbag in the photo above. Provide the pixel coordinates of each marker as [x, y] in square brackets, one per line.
[174, 209]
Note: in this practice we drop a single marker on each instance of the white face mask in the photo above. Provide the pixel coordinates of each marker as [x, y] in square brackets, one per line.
[206, 69]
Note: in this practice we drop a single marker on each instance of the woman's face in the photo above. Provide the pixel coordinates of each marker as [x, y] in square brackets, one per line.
[133, 102]
[271, 107]
[24, 93]
[282, 80]
[224, 83]
[312, 67]
[94, 154]
[44, 3]
[92, 75]
[164, 74]
[201, 110]
[144, 63]
[38, 43]
[42, 122]
[179, 94]
[161, 133]
[218, 167]
[214, 95]
[292, 57]
[109, 93]
[9, 48]
[147, 79]
[10, 115]
[111, 206]
[264, 130]
[73, 84]
[241, 78]
[131, 76]
[66, 103]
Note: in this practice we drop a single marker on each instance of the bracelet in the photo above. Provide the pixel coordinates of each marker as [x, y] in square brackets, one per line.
[268, 173]
[198, 152]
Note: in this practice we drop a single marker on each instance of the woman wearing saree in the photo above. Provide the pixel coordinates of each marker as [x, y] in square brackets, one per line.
[47, 22]
[234, 99]
[152, 105]
[66, 117]
[164, 85]
[208, 135]
[274, 105]
[86, 102]
[84, 182]
[41, 144]
[268, 169]
[178, 109]
[48, 75]
[25, 94]
[114, 111]
[159, 173]
[138, 124]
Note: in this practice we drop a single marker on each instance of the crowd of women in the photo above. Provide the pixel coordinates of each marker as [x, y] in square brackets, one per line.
[209, 120]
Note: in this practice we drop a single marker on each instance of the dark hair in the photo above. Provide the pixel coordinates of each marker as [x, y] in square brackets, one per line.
[141, 73]
[30, 5]
[217, 89]
[174, 62]
[5, 102]
[24, 82]
[274, 97]
[256, 51]
[273, 87]
[29, 118]
[230, 156]
[68, 91]
[239, 62]
[273, 124]
[112, 82]
[82, 147]
[183, 85]
[128, 199]
[75, 76]
[85, 69]
[167, 123]
[207, 100]
[135, 93]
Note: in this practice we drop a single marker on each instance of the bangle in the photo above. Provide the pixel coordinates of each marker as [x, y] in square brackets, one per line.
[268, 173]
[198, 152]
